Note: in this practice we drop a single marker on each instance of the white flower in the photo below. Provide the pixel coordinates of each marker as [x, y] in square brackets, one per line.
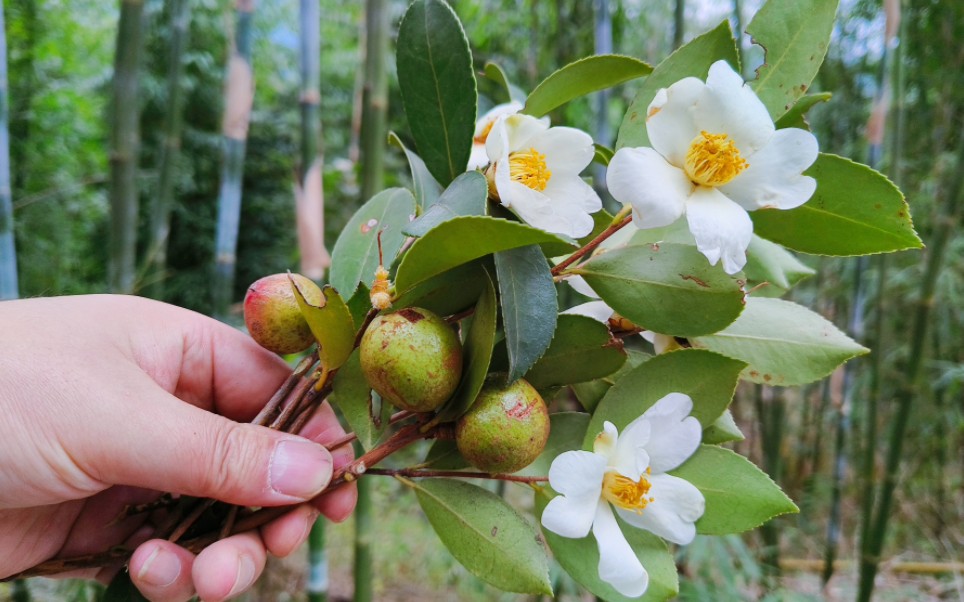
[628, 472]
[479, 159]
[715, 155]
[534, 172]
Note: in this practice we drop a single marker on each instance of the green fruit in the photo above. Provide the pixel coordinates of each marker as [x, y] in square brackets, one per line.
[412, 358]
[273, 317]
[506, 428]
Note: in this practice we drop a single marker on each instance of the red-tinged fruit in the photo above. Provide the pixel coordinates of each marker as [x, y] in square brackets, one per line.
[273, 317]
[412, 358]
[506, 429]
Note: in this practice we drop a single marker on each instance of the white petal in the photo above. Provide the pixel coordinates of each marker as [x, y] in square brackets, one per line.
[631, 458]
[731, 107]
[775, 175]
[567, 150]
[478, 158]
[577, 473]
[675, 434]
[670, 122]
[494, 113]
[605, 442]
[676, 505]
[597, 310]
[578, 283]
[497, 143]
[656, 190]
[569, 190]
[540, 211]
[618, 564]
[722, 228]
[570, 516]
[522, 129]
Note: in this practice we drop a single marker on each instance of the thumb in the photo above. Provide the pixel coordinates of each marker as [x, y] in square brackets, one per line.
[169, 445]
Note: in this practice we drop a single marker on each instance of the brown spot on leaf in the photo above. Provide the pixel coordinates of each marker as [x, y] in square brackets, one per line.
[495, 531]
[367, 226]
[694, 279]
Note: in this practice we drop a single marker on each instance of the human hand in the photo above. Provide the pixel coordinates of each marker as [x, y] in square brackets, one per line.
[110, 400]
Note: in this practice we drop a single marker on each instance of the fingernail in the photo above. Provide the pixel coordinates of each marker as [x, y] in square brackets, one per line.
[299, 469]
[161, 568]
[245, 578]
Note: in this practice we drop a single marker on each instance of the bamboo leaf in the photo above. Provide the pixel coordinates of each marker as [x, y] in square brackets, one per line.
[854, 211]
[529, 306]
[669, 288]
[739, 496]
[424, 186]
[581, 350]
[690, 60]
[783, 343]
[583, 77]
[330, 323]
[363, 410]
[486, 535]
[355, 256]
[466, 195]
[437, 83]
[460, 240]
[795, 35]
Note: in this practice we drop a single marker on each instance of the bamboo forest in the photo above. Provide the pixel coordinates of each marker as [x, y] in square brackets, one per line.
[472, 300]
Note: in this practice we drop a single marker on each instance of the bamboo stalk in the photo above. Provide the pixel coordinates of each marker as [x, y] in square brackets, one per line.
[679, 22]
[8, 252]
[239, 98]
[603, 40]
[374, 98]
[160, 227]
[918, 568]
[124, 145]
[770, 412]
[364, 531]
[317, 563]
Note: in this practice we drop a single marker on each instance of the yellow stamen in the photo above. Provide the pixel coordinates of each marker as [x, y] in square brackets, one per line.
[713, 159]
[626, 493]
[529, 168]
[480, 139]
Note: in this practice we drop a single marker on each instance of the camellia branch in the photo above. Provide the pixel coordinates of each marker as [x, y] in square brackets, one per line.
[424, 473]
[616, 226]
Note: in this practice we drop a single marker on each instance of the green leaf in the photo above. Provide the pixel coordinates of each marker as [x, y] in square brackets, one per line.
[449, 292]
[466, 195]
[739, 496]
[708, 378]
[529, 306]
[690, 60]
[582, 77]
[603, 154]
[796, 117]
[580, 558]
[795, 35]
[769, 263]
[424, 186]
[444, 455]
[512, 92]
[331, 324]
[476, 352]
[589, 394]
[566, 432]
[121, 589]
[581, 350]
[854, 211]
[367, 417]
[355, 256]
[670, 288]
[722, 430]
[460, 240]
[784, 343]
[437, 83]
[360, 304]
[486, 535]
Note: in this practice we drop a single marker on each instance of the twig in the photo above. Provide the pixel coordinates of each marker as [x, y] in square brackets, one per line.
[264, 416]
[419, 473]
[190, 519]
[591, 245]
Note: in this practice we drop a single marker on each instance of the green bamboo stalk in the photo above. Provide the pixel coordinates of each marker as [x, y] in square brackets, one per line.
[364, 532]
[374, 98]
[124, 145]
[947, 219]
[160, 227]
[770, 413]
[603, 40]
[679, 23]
[238, 98]
[317, 563]
[8, 251]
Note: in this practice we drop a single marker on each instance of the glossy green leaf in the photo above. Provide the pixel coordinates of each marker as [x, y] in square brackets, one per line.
[723, 430]
[355, 256]
[425, 188]
[529, 306]
[476, 352]
[566, 432]
[770, 264]
[796, 117]
[795, 35]
[854, 211]
[460, 240]
[589, 394]
[466, 195]
[739, 496]
[580, 558]
[486, 535]
[444, 455]
[690, 60]
[783, 343]
[708, 378]
[449, 292]
[331, 324]
[669, 288]
[497, 75]
[360, 304]
[582, 77]
[365, 414]
[581, 350]
[437, 83]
